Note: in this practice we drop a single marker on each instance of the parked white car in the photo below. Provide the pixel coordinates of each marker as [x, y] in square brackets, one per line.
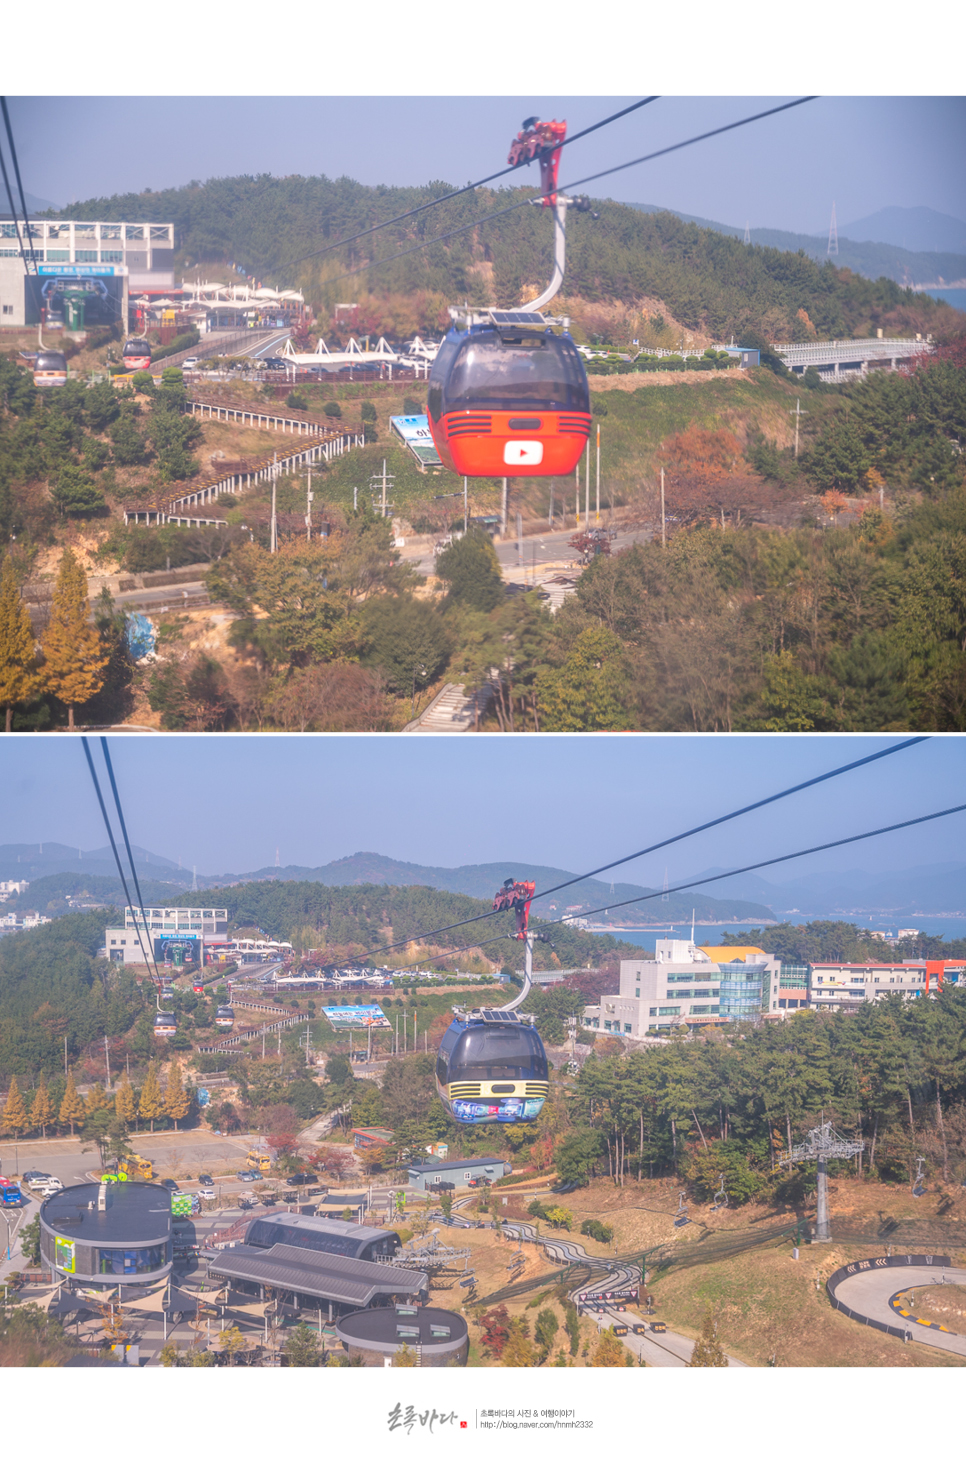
[51, 1186]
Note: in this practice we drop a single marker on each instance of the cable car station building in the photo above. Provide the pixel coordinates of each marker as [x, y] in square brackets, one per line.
[169, 933]
[108, 1233]
[85, 270]
[330, 1266]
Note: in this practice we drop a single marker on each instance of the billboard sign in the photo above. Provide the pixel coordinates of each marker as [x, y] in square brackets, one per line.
[357, 1016]
[177, 948]
[84, 297]
[64, 1254]
[180, 1205]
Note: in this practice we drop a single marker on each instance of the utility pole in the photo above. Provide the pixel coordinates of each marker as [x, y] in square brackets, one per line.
[577, 474]
[107, 1057]
[309, 498]
[663, 528]
[587, 489]
[466, 502]
[797, 412]
[355, 498]
[551, 504]
[597, 518]
[520, 535]
[384, 489]
[506, 498]
[273, 529]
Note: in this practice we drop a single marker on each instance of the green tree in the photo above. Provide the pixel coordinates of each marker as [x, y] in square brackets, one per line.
[14, 1119]
[471, 568]
[19, 681]
[546, 1329]
[75, 492]
[577, 1154]
[407, 639]
[589, 693]
[74, 661]
[708, 1351]
[302, 1348]
[30, 1242]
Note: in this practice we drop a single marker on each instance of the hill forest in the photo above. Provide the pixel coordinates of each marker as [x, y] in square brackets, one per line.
[720, 1099]
[807, 575]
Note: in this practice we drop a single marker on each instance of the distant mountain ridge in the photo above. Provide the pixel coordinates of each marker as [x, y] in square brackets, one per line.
[867, 257]
[930, 890]
[34, 862]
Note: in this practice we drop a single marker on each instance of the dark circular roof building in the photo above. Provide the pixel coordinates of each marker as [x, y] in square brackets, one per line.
[439, 1338]
[108, 1233]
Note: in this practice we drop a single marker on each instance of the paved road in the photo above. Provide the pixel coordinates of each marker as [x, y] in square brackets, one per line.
[870, 1291]
[546, 547]
[667, 1349]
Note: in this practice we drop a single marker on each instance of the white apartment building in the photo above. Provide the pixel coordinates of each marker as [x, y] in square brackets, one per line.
[836, 985]
[687, 984]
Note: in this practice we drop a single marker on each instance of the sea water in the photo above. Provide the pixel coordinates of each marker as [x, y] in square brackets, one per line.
[947, 927]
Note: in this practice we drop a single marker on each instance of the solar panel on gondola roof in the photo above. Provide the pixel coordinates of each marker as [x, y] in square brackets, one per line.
[499, 1016]
[518, 319]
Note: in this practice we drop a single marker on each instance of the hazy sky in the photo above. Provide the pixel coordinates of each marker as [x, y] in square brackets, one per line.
[224, 803]
[863, 153]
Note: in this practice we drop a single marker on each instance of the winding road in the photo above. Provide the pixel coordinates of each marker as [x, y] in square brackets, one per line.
[869, 1292]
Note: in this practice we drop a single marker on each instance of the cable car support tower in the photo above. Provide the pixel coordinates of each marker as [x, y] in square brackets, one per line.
[822, 1144]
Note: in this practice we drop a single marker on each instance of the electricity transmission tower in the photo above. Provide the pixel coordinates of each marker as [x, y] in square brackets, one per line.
[820, 1145]
[833, 235]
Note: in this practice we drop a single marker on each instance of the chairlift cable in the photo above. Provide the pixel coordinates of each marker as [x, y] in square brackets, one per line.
[455, 193]
[534, 199]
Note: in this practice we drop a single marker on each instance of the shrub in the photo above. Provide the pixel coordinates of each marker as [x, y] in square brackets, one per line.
[594, 1229]
[333, 410]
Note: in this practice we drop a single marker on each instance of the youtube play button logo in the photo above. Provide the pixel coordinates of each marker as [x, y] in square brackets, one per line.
[523, 453]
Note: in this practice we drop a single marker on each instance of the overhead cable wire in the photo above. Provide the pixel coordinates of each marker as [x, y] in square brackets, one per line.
[562, 189]
[13, 209]
[465, 189]
[127, 844]
[662, 844]
[736, 813]
[117, 858]
[762, 864]
[16, 170]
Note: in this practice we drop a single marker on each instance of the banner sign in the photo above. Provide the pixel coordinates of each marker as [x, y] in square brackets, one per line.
[357, 1016]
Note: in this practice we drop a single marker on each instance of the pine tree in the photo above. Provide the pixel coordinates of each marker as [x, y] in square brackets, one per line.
[74, 661]
[152, 1101]
[19, 681]
[14, 1118]
[72, 1109]
[41, 1112]
[708, 1351]
[176, 1101]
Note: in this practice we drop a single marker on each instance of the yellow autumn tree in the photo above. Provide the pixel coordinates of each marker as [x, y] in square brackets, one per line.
[73, 1112]
[125, 1105]
[19, 681]
[14, 1118]
[41, 1111]
[74, 657]
[609, 1352]
[176, 1101]
[151, 1105]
